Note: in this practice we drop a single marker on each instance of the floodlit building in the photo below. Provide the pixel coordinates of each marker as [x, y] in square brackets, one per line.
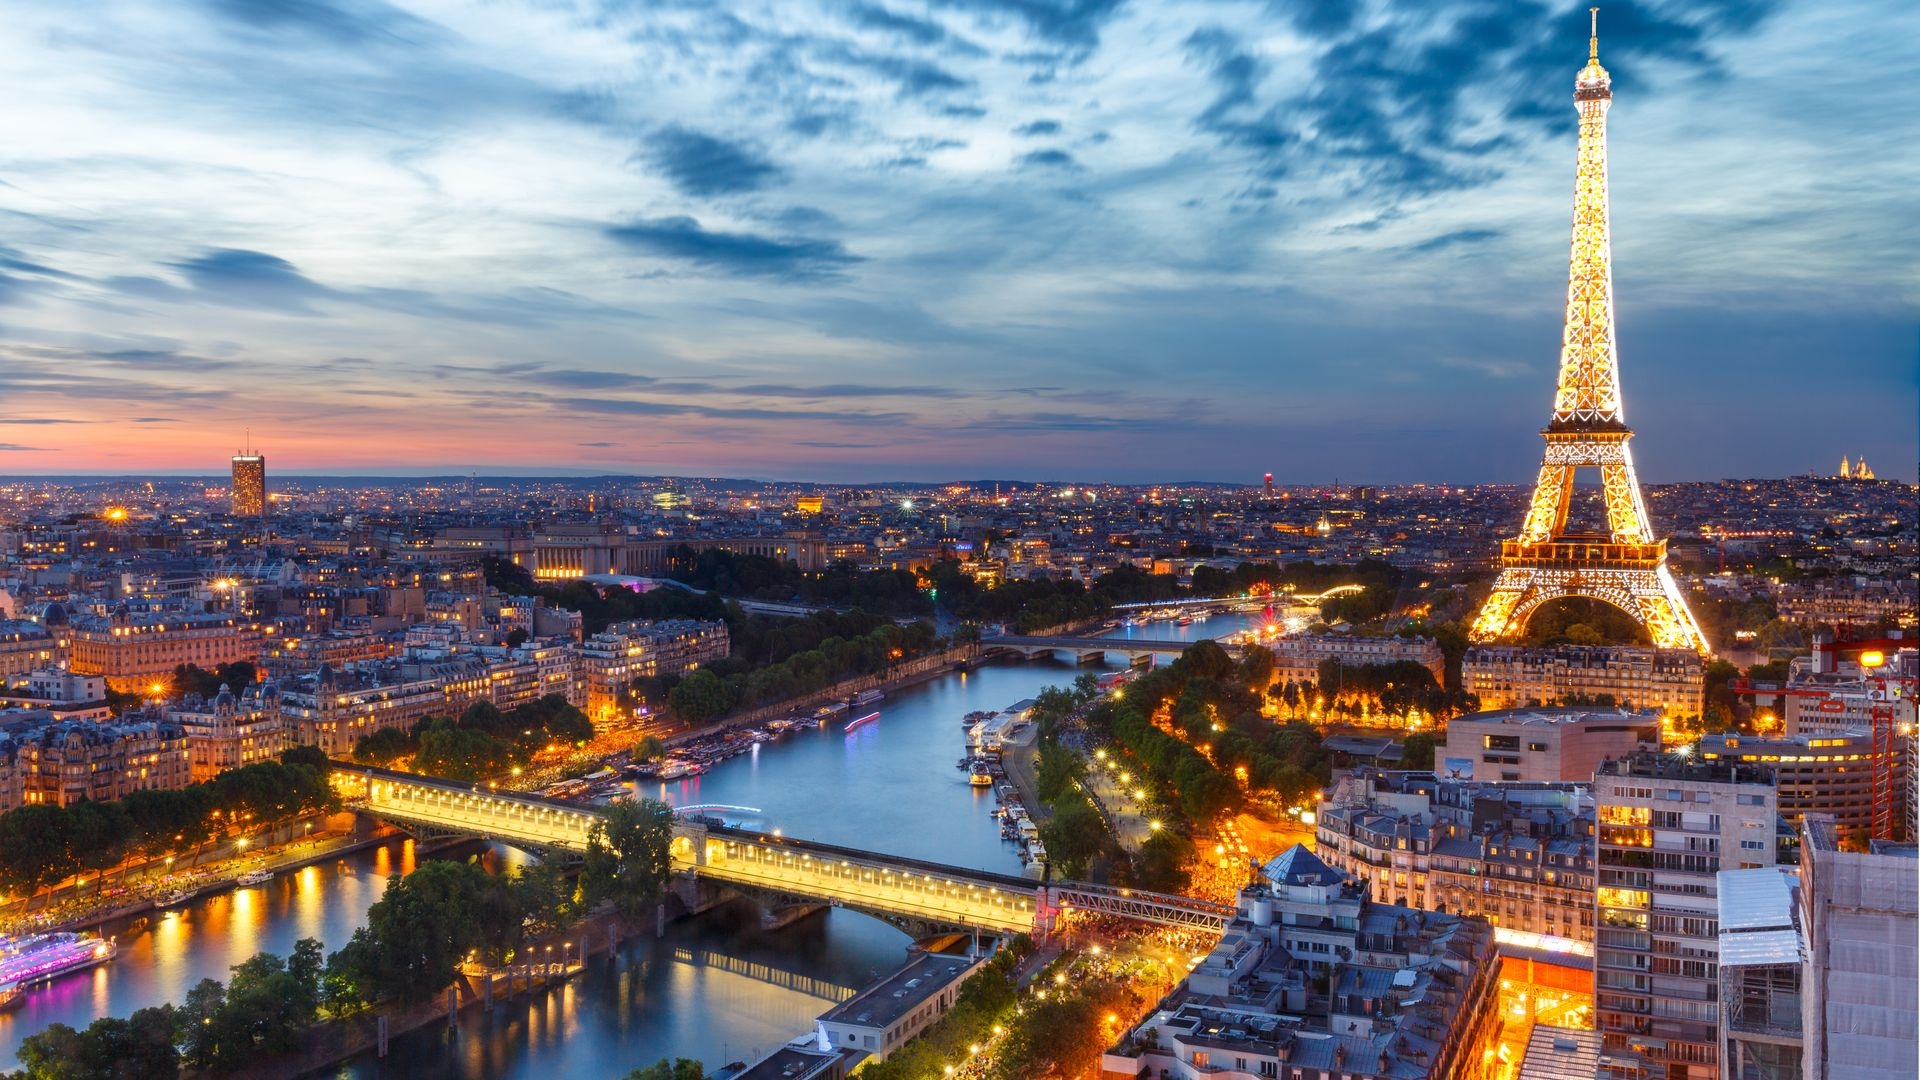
[59, 761]
[1821, 774]
[232, 731]
[611, 660]
[134, 650]
[1518, 677]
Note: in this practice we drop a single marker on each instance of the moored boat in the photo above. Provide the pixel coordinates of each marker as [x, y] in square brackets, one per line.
[40, 958]
[254, 877]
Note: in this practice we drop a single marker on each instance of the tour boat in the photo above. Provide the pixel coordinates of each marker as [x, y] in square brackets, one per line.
[865, 719]
[1184, 620]
[39, 958]
[254, 877]
[173, 900]
[979, 777]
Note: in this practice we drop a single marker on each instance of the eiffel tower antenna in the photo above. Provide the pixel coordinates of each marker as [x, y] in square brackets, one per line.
[1626, 566]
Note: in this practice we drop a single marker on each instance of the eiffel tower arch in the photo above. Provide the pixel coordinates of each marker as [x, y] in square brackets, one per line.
[1625, 566]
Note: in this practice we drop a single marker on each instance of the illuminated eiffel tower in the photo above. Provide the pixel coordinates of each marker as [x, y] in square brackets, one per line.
[1626, 566]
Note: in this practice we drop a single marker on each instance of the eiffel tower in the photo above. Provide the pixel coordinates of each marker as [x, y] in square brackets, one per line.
[1625, 566]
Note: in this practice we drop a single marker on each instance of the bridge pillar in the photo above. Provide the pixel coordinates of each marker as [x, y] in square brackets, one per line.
[1097, 656]
[1140, 660]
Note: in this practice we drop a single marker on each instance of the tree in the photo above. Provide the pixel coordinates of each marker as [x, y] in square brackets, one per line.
[418, 932]
[1057, 771]
[700, 697]
[382, 747]
[1074, 835]
[1417, 752]
[629, 854]
[139, 1047]
[677, 1069]
[35, 847]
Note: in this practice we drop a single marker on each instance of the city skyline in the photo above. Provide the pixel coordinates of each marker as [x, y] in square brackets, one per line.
[908, 243]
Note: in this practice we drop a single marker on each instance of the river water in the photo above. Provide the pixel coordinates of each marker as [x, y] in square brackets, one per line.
[716, 988]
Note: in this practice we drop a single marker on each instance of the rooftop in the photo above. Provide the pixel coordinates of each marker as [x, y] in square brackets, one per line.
[901, 993]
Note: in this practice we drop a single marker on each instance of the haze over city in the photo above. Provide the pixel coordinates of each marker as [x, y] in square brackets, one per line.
[976, 238]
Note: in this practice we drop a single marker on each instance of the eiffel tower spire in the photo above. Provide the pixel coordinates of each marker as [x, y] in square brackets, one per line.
[1626, 565]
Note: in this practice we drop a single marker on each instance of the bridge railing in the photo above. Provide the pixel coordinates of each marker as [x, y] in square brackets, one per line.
[1163, 908]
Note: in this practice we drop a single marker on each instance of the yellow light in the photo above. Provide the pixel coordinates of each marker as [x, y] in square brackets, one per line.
[1872, 658]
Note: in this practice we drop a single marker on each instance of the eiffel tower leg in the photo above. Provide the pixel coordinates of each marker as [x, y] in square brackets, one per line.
[1665, 614]
[1496, 618]
[1552, 497]
[1626, 514]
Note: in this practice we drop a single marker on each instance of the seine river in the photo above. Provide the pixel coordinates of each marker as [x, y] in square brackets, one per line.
[716, 987]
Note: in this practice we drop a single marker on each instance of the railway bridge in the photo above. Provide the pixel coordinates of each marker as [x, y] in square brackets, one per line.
[910, 893]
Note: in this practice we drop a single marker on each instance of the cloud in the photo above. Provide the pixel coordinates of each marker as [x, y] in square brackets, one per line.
[37, 422]
[1075, 23]
[350, 23]
[702, 165]
[245, 278]
[1456, 238]
[743, 254]
[1036, 128]
[16, 447]
[1045, 159]
[597, 445]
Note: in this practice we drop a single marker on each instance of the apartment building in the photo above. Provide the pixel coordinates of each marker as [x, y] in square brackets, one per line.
[58, 761]
[1667, 681]
[1666, 826]
[135, 650]
[231, 730]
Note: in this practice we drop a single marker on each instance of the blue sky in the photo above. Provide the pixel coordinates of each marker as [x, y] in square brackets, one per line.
[887, 239]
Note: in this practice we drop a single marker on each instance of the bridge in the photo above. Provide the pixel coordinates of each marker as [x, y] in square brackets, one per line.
[908, 893]
[1091, 649]
[1243, 601]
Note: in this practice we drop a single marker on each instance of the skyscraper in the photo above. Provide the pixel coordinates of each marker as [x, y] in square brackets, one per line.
[249, 485]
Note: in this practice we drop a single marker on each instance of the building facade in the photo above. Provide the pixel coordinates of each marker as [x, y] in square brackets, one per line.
[335, 708]
[1518, 677]
[26, 647]
[1665, 827]
[1543, 745]
[1297, 659]
[1828, 774]
[231, 731]
[136, 650]
[249, 498]
[59, 762]
[611, 660]
[1860, 994]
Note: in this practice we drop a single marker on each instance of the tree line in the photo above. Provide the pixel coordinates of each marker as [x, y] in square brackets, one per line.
[42, 844]
[718, 689]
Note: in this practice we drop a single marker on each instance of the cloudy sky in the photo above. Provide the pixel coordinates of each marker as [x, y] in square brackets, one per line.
[926, 239]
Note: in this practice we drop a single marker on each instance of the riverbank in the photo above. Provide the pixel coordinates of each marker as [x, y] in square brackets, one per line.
[912, 673]
[145, 889]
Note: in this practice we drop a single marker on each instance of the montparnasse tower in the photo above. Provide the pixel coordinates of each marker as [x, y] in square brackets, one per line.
[1626, 566]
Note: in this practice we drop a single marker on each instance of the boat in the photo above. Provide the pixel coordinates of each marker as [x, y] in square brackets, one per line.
[868, 697]
[866, 719]
[1184, 620]
[674, 770]
[40, 958]
[979, 777]
[174, 900]
[254, 877]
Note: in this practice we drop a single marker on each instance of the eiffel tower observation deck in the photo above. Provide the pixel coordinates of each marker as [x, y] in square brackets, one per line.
[1626, 565]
